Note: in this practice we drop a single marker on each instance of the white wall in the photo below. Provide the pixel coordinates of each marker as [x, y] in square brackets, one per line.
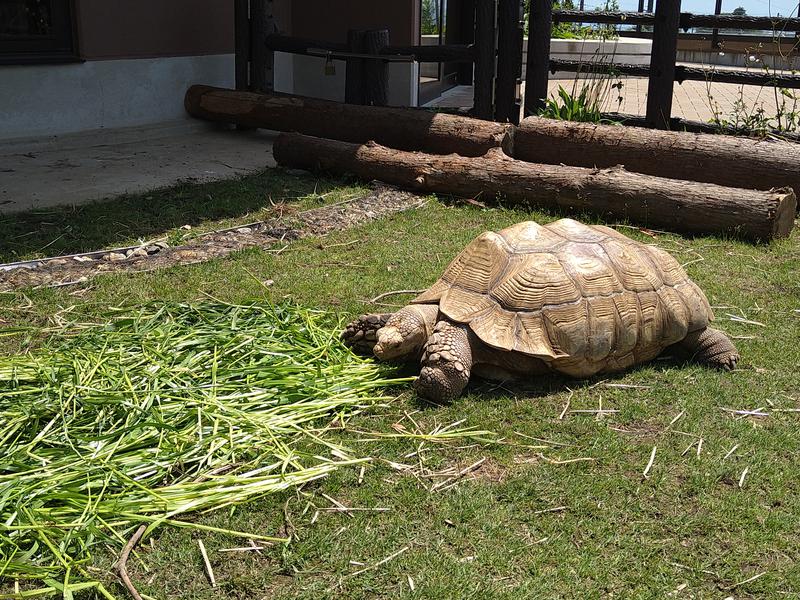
[305, 76]
[56, 99]
[631, 51]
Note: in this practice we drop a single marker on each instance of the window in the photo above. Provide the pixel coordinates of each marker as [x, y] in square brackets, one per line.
[36, 31]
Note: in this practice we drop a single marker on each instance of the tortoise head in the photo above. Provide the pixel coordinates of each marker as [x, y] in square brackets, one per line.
[406, 332]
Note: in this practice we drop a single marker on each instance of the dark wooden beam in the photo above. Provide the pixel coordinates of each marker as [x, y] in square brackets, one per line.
[591, 16]
[485, 55]
[682, 73]
[376, 72]
[354, 74]
[688, 20]
[540, 24]
[241, 26]
[662, 63]
[261, 57]
[509, 60]
[445, 53]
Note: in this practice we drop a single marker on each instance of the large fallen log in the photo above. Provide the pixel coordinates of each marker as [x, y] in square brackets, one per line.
[658, 203]
[726, 160]
[405, 128]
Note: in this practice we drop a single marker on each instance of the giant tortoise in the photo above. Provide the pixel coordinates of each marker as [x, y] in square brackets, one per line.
[567, 297]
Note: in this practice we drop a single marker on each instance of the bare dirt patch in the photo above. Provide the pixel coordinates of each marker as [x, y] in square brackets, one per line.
[66, 270]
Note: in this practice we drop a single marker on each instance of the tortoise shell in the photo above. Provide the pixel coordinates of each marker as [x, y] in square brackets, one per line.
[583, 298]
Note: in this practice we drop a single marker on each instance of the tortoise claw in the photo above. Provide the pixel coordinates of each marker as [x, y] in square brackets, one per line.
[362, 333]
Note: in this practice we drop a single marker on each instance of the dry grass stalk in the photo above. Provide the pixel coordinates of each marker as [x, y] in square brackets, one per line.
[731, 451]
[549, 510]
[207, 563]
[649, 463]
[741, 479]
[380, 562]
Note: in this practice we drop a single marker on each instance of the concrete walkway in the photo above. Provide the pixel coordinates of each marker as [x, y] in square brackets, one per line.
[75, 168]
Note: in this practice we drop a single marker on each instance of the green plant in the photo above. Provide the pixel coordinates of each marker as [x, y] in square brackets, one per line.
[572, 107]
[758, 117]
[162, 411]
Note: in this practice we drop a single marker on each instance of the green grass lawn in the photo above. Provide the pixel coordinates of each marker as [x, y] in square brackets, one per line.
[560, 506]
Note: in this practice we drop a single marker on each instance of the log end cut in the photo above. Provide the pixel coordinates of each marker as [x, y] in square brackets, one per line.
[785, 213]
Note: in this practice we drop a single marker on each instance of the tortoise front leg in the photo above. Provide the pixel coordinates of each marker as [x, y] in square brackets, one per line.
[361, 334]
[446, 363]
[711, 347]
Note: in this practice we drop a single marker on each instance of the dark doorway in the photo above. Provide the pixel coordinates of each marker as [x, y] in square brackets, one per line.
[440, 23]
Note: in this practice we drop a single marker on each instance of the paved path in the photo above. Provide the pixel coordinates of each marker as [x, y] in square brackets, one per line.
[76, 168]
[690, 100]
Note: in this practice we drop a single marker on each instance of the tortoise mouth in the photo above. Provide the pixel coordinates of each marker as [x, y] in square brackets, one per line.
[390, 344]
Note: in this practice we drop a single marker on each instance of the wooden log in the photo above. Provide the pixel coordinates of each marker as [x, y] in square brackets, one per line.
[404, 128]
[614, 194]
[725, 160]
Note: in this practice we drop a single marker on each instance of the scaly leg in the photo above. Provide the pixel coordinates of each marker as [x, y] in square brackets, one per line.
[446, 363]
[361, 334]
[711, 347]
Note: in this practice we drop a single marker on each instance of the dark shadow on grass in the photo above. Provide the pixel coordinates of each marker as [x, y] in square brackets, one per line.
[541, 386]
[115, 222]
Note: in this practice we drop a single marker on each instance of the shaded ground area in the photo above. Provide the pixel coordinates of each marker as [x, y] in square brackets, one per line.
[284, 227]
[76, 168]
[561, 506]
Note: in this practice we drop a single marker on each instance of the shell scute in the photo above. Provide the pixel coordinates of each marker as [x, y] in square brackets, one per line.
[583, 298]
[533, 281]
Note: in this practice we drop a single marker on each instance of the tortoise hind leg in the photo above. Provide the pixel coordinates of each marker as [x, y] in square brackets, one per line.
[361, 334]
[446, 363]
[711, 347]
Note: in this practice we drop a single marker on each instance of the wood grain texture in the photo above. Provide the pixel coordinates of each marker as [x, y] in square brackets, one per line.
[404, 128]
[725, 160]
[682, 206]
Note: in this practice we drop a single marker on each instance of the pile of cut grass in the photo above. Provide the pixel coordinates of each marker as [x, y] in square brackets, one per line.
[170, 409]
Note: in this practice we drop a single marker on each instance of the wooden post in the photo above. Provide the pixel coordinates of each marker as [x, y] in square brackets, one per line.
[261, 58]
[485, 54]
[509, 60]
[241, 25]
[376, 72]
[540, 24]
[649, 6]
[640, 9]
[354, 75]
[466, 35]
[662, 63]
[715, 32]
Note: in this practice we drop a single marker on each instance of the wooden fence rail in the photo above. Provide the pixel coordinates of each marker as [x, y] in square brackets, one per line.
[686, 21]
[667, 21]
[682, 73]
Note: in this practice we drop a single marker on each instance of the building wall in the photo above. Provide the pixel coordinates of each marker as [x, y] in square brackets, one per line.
[141, 56]
[330, 21]
[150, 28]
